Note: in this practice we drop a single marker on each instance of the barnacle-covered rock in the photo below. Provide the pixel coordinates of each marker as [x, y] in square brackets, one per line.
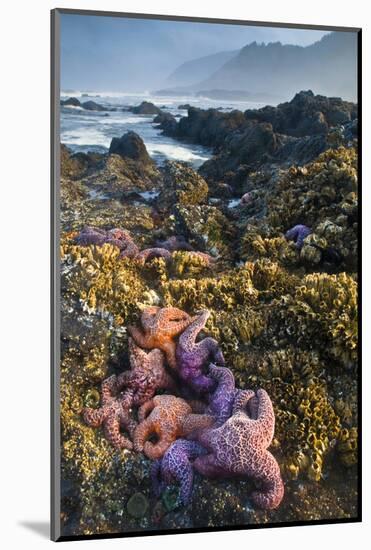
[324, 309]
[205, 227]
[183, 185]
[323, 195]
[223, 293]
[102, 282]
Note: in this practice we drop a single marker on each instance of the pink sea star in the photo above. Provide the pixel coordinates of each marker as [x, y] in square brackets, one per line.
[112, 414]
[239, 448]
[147, 375]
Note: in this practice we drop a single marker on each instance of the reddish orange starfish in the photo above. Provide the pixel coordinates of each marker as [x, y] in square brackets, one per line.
[168, 418]
[160, 326]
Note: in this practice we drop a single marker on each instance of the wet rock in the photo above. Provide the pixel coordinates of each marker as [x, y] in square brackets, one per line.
[306, 114]
[131, 146]
[167, 122]
[71, 101]
[145, 108]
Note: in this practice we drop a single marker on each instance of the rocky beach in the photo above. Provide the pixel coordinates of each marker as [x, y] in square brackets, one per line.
[260, 230]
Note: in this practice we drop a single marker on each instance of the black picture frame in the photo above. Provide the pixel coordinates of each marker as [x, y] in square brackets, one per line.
[55, 269]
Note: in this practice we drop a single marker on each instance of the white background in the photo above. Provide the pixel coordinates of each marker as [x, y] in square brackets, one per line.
[24, 287]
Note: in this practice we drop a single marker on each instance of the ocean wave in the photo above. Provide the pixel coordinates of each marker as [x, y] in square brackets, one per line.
[175, 152]
[85, 137]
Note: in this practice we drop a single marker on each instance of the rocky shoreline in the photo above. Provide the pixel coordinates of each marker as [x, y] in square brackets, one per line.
[284, 314]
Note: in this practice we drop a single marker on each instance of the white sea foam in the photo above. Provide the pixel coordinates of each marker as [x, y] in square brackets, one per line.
[73, 107]
[148, 195]
[85, 136]
[123, 120]
[233, 203]
[175, 152]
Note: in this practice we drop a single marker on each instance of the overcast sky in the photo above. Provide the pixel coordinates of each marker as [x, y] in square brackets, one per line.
[117, 54]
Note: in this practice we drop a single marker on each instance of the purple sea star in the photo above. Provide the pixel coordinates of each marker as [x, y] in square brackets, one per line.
[239, 448]
[297, 234]
[221, 400]
[117, 237]
[112, 414]
[193, 357]
[176, 467]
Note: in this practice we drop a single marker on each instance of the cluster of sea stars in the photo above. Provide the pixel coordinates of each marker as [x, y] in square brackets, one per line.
[128, 249]
[208, 426]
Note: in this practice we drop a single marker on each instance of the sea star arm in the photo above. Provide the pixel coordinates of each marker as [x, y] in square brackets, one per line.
[265, 416]
[140, 338]
[94, 417]
[182, 471]
[187, 340]
[158, 449]
[108, 388]
[194, 422]
[241, 401]
[169, 348]
[203, 383]
[113, 434]
[150, 253]
[141, 433]
[130, 250]
[272, 490]
[145, 409]
[212, 348]
[206, 465]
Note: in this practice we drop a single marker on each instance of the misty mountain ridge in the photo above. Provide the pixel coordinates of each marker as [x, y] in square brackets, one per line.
[328, 67]
[193, 71]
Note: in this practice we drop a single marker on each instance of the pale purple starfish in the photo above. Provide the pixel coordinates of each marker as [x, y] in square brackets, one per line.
[194, 357]
[238, 448]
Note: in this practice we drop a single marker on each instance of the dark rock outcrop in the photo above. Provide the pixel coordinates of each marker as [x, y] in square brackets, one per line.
[71, 101]
[306, 114]
[145, 108]
[93, 106]
[167, 122]
[78, 165]
[130, 146]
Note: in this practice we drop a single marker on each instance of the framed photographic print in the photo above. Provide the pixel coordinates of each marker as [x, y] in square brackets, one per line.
[205, 229]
